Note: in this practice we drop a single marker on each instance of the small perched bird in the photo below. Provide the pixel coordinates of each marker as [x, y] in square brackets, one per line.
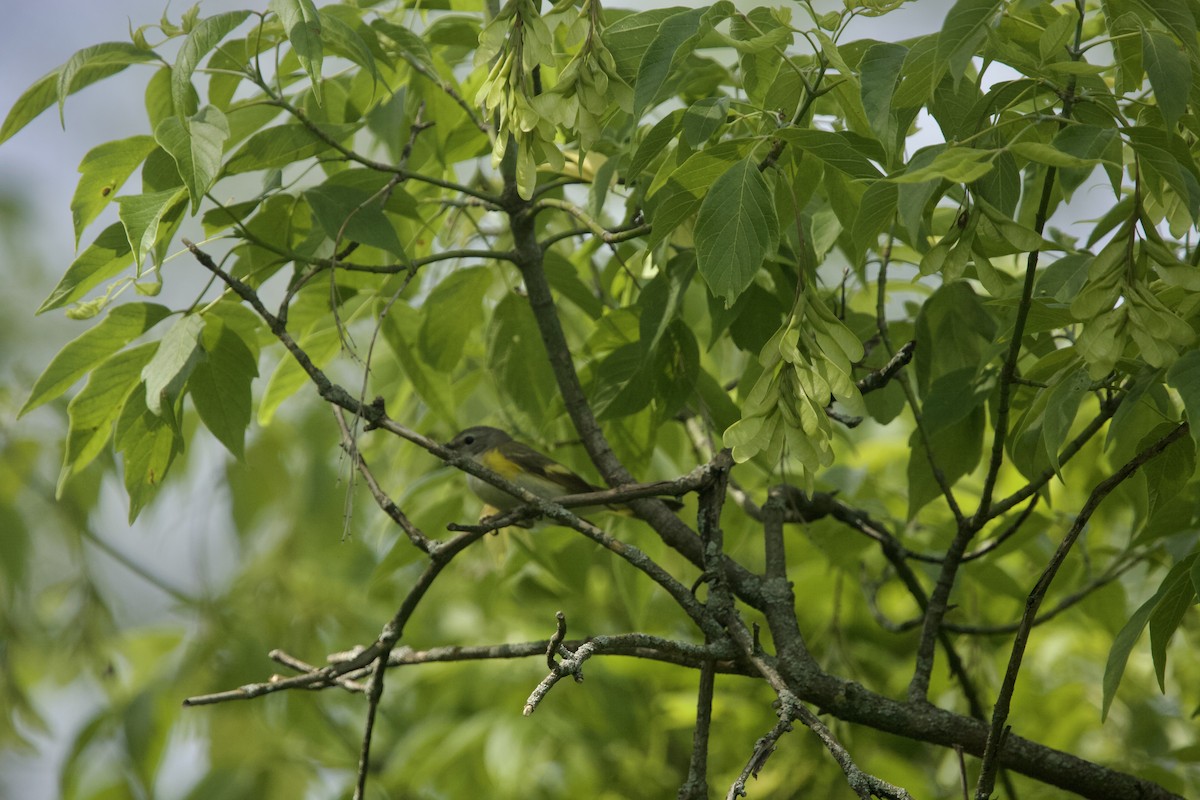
[519, 463]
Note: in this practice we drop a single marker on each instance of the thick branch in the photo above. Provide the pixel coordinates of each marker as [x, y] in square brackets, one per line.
[791, 708]
[882, 376]
[541, 301]
[695, 787]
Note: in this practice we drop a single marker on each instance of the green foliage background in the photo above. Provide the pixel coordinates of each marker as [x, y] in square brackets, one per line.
[723, 178]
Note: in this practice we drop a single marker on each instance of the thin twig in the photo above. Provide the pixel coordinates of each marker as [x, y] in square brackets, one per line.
[369, 163]
[763, 748]
[385, 503]
[596, 229]
[991, 762]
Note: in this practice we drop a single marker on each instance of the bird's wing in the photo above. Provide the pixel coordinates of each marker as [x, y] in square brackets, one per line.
[535, 465]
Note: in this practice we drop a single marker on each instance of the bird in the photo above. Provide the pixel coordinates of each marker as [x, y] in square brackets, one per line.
[519, 463]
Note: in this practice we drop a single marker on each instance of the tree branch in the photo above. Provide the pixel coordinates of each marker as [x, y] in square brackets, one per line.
[991, 761]
[695, 787]
[1009, 371]
[378, 166]
[882, 376]
[791, 707]
[1108, 408]
[389, 507]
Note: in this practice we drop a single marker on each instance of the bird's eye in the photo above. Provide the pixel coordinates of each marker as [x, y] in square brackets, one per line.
[468, 440]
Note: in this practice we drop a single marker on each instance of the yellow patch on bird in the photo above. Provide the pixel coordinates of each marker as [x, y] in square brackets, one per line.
[502, 466]
[559, 469]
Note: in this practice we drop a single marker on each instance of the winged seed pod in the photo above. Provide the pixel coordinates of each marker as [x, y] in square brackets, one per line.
[806, 365]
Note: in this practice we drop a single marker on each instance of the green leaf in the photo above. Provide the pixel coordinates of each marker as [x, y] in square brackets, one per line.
[1118, 654]
[141, 214]
[1177, 16]
[1127, 48]
[564, 279]
[630, 36]
[673, 370]
[920, 74]
[1091, 143]
[103, 259]
[735, 229]
[702, 119]
[659, 56]
[953, 331]
[45, 90]
[32, 102]
[196, 144]
[1062, 404]
[913, 198]
[688, 185]
[1170, 73]
[619, 385]
[282, 145]
[714, 400]
[1169, 471]
[1022, 238]
[1184, 376]
[1043, 153]
[654, 142]
[953, 396]
[1002, 186]
[879, 75]
[875, 213]
[834, 148]
[207, 34]
[93, 63]
[220, 384]
[348, 206]
[411, 46]
[104, 171]
[149, 443]
[956, 451]
[302, 23]
[451, 314]
[345, 41]
[1175, 596]
[159, 173]
[321, 344]
[759, 36]
[1156, 149]
[123, 324]
[955, 164]
[1054, 39]
[401, 329]
[173, 362]
[93, 412]
[964, 28]
[661, 299]
[518, 359]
